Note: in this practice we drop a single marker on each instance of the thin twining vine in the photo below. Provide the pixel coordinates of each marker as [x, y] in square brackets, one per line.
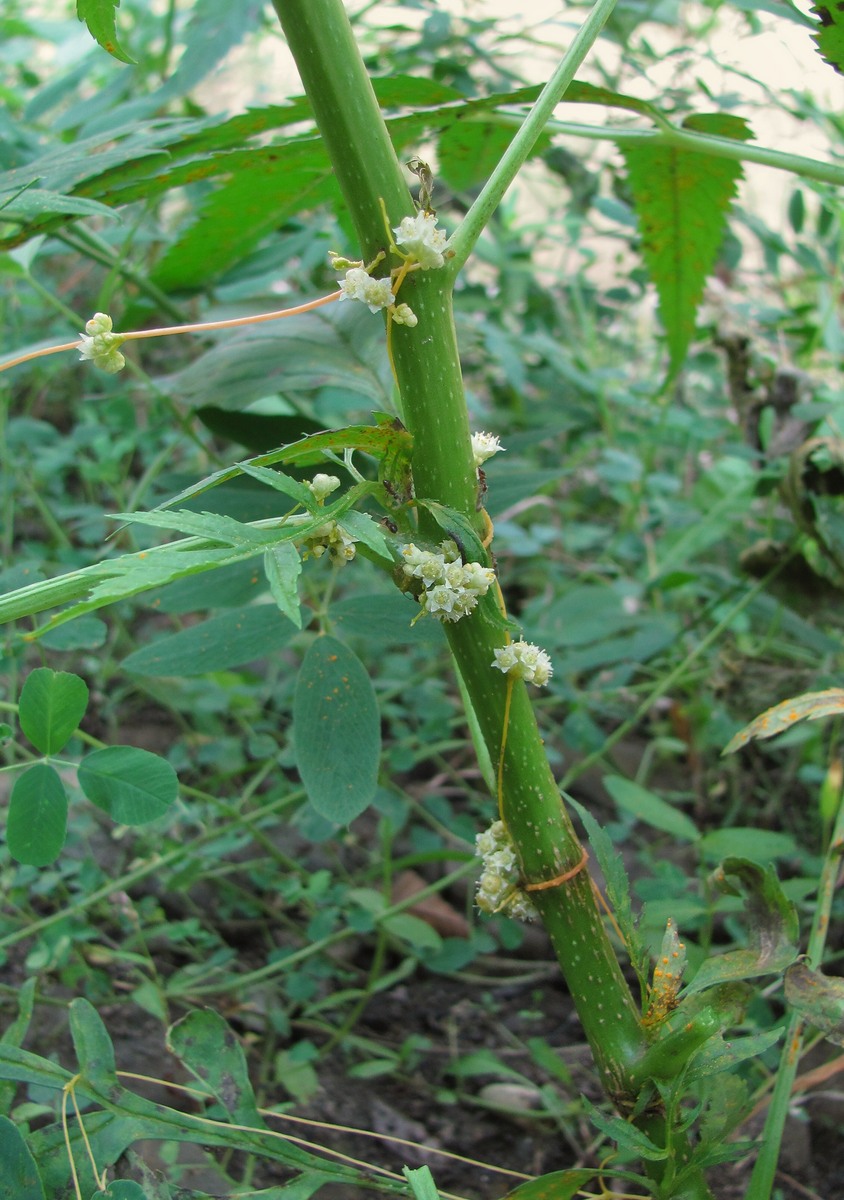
[425, 248]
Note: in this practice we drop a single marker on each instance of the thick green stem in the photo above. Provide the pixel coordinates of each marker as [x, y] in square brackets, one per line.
[427, 369]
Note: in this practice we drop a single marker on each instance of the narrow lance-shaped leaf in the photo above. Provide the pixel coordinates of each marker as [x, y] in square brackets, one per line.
[811, 706]
[99, 16]
[681, 199]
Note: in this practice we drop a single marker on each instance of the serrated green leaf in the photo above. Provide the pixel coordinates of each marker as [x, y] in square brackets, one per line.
[37, 821]
[818, 998]
[387, 440]
[40, 202]
[133, 786]
[830, 37]
[337, 731]
[773, 927]
[239, 636]
[19, 1179]
[651, 809]
[211, 527]
[468, 151]
[203, 1042]
[52, 703]
[265, 190]
[811, 706]
[627, 1136]
[681, 199]
[99, 16]
[617, 887]
[212, 31]
[283, 566]
[91, 1041]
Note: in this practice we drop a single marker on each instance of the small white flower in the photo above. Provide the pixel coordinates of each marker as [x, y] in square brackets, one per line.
[524, 661]
[420, 237]
[484, 445]
[375, 293]
[323, 485]
[451, 588]
[100, 346]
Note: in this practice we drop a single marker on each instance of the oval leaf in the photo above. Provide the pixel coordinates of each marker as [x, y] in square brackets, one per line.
[52, 704]
[226, 641]
[93, 1046]
[337, 730]
[650, 809]
[133, 786]
[37, 822]
[811, 706]
[559, 1185]
[204, 1044]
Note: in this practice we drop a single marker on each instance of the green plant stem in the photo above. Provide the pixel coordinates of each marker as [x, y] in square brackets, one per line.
[477, 218]
[764, 1169]
[428, 373]
[686, 139]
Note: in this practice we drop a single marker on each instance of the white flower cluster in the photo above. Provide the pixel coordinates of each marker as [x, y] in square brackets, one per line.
[420, 238]
[484, 445]
[376, 294]
[100, 346]
[499, 886]
[451, 588]
[524, 661]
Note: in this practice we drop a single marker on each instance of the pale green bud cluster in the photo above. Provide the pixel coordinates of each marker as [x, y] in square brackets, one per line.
[323, 485]
[100, 346]
[332, 539]
[418, 236]
[329, 538]
[524, 661]
[451, 588]
[499, 886]
[484, 445]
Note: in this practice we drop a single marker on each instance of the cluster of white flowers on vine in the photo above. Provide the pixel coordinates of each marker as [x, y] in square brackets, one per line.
[419, 237]
[329, 538]
[423, 246]
[484, 445]
[451, 588]
[499, 886]
[524, 661]
[375, 294]
[100, 346]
